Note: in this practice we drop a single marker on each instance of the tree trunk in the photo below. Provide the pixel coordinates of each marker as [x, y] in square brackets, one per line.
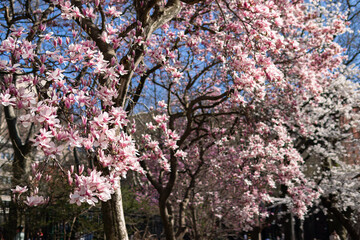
[19, 163]
[113, 217]
[292, 224]
[194, 221]
[166, 217]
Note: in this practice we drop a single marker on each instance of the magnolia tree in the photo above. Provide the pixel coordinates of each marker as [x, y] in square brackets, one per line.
[237, 159]
[229, 185]
[339, 183]
[75, 69]
[227, 135]
[331, 150]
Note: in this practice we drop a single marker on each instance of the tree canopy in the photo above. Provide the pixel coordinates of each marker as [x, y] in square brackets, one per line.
[207, 101]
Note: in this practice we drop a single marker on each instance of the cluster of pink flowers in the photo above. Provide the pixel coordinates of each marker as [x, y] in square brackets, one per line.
[35, 200]
[90, 189]
[168, 139]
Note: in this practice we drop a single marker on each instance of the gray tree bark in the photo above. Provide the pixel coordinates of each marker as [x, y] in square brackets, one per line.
[114, 218]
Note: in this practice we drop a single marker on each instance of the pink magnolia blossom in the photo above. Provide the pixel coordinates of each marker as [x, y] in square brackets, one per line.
[7, 100]
[91, 189]
[19, 189]
[35, 200]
